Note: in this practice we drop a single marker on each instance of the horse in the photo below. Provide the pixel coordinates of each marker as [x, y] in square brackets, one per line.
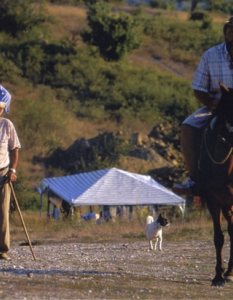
[216, 178]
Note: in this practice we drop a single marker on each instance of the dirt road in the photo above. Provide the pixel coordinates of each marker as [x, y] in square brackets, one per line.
[112, 271]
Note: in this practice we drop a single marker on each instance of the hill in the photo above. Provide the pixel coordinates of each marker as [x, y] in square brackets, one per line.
[140, 100]
[72, 20]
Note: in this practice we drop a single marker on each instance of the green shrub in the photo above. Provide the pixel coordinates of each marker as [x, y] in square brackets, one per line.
[202, 16]
[41, 121]
[114, 147]
[27, 199]
[158, 4]
[71, 2]
[224, 6]
[114, 35]
[20, 17]
[8, 70]
[187, 39]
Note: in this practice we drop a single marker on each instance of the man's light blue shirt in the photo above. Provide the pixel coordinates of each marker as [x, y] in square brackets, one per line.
[214, 67]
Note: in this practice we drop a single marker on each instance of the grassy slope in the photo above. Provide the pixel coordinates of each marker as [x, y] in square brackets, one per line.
[70, 22]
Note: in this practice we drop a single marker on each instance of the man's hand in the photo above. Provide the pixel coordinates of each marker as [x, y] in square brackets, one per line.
[11, 176]
[215, 103]
[206, 100]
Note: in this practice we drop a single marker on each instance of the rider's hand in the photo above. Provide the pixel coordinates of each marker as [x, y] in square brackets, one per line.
[215, 103]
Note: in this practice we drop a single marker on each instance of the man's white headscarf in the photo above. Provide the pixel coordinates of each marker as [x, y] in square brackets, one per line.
[5, 99]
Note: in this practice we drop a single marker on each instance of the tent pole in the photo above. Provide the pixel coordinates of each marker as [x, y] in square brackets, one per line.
[103, 216]
[41, 201]
[48, 206]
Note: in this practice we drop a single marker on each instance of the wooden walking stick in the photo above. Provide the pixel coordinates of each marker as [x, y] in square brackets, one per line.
[21, 217]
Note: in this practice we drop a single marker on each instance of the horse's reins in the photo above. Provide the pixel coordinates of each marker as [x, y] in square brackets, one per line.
[210, 156]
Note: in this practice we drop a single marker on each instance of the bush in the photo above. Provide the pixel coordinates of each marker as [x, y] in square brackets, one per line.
[225, 6]
[115, 36]
[71, 2]
[36, 59]
[27, 199]
[8, 70]
[202, 16]
[183, 37]
[114, 147]
[159, 4]
[20, 17]
[41, 122]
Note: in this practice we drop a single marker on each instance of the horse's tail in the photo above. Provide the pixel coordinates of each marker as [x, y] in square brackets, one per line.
[149, 220]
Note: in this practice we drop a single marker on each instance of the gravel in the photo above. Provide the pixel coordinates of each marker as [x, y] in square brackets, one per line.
[124, 270]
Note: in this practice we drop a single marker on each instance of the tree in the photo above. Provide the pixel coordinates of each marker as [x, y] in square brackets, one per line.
[20, 15]
[114, 34]
[194, 4]
[225, 6]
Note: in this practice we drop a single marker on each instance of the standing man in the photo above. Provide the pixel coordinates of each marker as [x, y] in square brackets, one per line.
[216, 66]
[9, 145]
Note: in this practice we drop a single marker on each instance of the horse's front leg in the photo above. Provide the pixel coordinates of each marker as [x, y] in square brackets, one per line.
[215, 212]
[228, 214]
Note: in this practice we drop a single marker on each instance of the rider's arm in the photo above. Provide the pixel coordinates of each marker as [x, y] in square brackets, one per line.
[205, 99]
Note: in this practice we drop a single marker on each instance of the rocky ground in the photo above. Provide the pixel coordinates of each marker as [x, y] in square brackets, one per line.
[183, 270]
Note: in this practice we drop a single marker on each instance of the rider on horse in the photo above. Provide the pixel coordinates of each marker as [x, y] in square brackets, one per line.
[216, 65]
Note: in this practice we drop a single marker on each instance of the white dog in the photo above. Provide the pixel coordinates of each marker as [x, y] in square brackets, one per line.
[154, 231]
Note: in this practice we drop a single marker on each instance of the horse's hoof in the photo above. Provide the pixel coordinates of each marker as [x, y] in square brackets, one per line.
[228, 278]
[218, 283]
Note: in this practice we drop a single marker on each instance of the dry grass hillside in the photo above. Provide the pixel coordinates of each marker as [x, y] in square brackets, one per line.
[70, 21]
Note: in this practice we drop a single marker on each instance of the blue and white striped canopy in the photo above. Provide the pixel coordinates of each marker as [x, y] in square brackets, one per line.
[111, 187]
